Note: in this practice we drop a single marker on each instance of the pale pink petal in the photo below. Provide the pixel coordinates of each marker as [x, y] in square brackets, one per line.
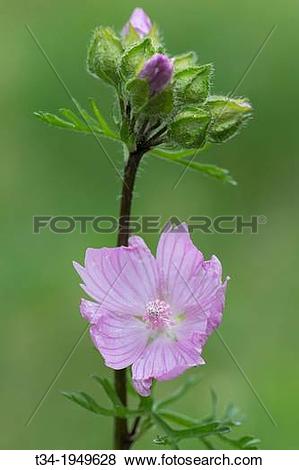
[120, 339]
[143, 387]
[208, 294]
[193, 327]
[165, 359]
[140, 21]
[121, 279]
[90, 311]
[153, 315]
[179, 263]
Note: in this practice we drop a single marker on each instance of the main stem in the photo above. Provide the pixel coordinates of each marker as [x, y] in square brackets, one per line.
[122, 437]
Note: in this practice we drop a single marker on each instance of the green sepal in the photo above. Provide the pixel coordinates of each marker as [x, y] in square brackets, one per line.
[127, 135]
[161, 104]
[104, 55]
[189, 128]
[156, 39]
[134, 58]
[138, 91]
[184, 61]
[192, 85]
[132, 37]
[228, 117]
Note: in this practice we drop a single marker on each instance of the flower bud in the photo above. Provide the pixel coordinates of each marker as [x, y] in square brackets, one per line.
[104, 55]
[228, 117]
[140, 21]
[189, 128]
[158, 72]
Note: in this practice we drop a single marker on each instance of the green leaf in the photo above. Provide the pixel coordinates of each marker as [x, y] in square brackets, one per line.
[54, 120]
[190, 383]
[207, 169]
[170, 433]
[161, 441]
[189, 128]
[108, 132]
[207, 444]
[202, 430]
[228, 117]
[110, 391]
[174, 154]
[146, 403]
[139, 92]
[134, 58]
[104, 55]
[87, 402]
[232, 416]
[83, 122]
[244, 443]
[192, 85]
[72, 117]
[88, 120]
[184, 61]
[161, 104]
[177, 418]
[198, 431]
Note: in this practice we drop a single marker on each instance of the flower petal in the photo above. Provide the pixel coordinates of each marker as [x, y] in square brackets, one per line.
[90, 311]
[121, 279]
[179, 263]
[140, 21]
[208, 293]
[143, 387]
[120, 339]
[165, 359]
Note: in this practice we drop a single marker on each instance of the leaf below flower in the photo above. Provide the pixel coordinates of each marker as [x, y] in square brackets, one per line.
[213, 171]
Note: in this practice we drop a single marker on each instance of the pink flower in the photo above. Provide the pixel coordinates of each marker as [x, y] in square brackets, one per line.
[140, 21]
[158, 71]
[154, 314]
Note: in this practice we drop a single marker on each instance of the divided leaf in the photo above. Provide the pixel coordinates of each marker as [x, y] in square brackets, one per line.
[207, 169]
[54, 120]
[81, 122]
[87, 402]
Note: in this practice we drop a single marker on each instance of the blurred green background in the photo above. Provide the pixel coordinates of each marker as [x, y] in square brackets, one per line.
[47, 171]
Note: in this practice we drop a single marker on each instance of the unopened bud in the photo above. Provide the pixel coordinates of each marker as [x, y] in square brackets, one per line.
[158, 72]
[140, 21]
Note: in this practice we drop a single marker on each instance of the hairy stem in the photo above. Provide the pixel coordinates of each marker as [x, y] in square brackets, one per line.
[122, 437]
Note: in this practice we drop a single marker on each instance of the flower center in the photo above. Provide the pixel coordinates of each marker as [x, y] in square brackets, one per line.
[157, 314]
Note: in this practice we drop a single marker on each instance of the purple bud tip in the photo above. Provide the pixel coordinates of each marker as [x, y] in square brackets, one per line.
[140, 21]
[158, 72]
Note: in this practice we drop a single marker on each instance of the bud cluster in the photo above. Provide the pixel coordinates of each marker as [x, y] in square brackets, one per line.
[163, 100]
